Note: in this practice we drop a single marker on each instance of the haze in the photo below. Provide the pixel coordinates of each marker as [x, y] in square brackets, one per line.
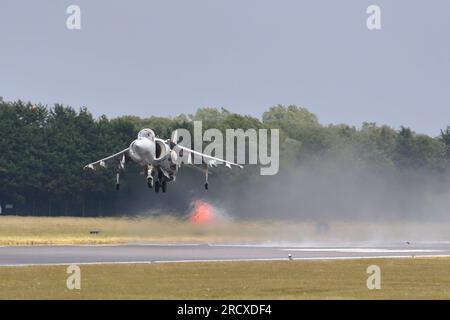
[169, 57]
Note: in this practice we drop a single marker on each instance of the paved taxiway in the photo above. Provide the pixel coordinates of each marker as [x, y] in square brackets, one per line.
[149, 253]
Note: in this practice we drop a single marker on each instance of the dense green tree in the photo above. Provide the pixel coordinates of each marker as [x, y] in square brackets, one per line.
[44, 150]
[445, 139]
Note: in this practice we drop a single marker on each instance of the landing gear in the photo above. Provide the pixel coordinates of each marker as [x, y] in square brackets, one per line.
[155, 179]
[117, 181]
[148, 173]
[206, 178]
[161, 185]
[150, 182]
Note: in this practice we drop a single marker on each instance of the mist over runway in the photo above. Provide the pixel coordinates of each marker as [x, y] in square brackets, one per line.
[165, 253]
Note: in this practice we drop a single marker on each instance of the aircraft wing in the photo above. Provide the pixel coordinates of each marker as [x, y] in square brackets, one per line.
[119, 158]
[208, 160]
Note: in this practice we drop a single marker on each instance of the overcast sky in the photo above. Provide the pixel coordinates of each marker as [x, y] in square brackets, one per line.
[168, 57]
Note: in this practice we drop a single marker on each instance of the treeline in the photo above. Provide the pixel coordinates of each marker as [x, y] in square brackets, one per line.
[43, 151]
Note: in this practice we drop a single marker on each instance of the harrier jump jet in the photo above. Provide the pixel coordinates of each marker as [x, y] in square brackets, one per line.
[160, 159]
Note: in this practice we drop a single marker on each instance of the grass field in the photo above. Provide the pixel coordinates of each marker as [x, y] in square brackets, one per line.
[400, 279]
[65, 230]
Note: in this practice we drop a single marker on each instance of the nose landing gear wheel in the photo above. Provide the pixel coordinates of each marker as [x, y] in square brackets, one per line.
[150, 183]
[157, 185]
[206, 186]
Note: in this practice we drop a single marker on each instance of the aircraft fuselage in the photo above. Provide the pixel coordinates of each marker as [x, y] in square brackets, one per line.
[155, 156]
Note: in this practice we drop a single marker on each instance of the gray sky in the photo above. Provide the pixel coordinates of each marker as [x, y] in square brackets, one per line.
[168, 57]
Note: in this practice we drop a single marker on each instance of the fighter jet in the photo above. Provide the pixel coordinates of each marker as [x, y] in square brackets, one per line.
[160, 159]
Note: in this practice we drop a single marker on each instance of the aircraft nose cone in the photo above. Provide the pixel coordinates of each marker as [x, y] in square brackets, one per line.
[139, 146]
[142, 146]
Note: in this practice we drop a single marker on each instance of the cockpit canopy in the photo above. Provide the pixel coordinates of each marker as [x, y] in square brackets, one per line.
[146, 133]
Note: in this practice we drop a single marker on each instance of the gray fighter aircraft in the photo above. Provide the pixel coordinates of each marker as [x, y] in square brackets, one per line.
[160, 159]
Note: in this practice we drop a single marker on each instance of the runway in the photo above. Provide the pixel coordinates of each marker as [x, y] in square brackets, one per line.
[165, 253]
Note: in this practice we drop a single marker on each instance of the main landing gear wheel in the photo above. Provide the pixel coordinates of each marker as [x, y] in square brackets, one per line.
[117, 181]
[206, 178]
[157, 185]
[164, 186]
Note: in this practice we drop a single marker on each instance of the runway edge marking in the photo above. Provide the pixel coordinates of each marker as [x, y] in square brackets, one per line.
[223, 260]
